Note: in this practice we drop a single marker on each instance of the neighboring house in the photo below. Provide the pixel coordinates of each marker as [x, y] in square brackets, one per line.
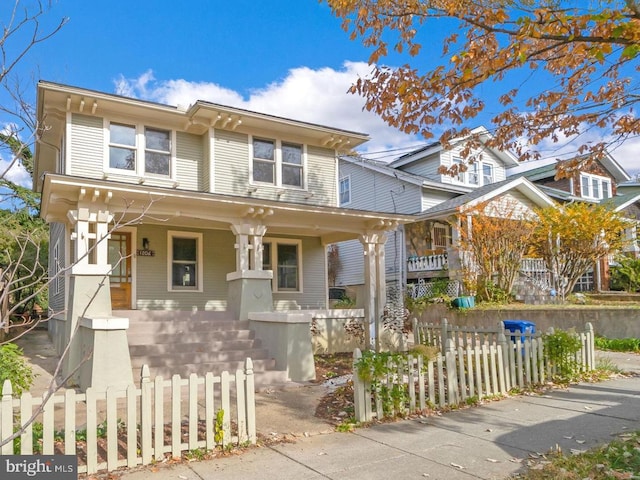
[426, 249]
[603, 181]
[210, 212]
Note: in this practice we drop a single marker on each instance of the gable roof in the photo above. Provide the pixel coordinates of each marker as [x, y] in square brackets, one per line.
[487, 192]
[543, 168]
[505, 156]
[385, 169]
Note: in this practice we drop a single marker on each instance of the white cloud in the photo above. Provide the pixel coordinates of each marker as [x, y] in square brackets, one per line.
[16, 174]
[316, 96]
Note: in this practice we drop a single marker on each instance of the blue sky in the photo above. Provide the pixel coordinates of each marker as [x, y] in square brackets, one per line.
[284, 57]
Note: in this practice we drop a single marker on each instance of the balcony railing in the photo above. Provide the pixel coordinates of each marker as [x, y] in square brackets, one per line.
[428, 263]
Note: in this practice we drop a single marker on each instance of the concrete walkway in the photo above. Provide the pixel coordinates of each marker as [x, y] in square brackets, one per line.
[491, 441]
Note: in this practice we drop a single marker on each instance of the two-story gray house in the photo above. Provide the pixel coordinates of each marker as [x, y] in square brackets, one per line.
[426, 249]
[202, 215]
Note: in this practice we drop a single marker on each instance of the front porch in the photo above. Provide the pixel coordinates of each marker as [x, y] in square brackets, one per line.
[191, 254]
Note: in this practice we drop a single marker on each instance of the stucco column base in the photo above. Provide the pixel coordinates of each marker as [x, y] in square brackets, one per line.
[288, 338]
[89, 296]
[249, 291]
[104, 342]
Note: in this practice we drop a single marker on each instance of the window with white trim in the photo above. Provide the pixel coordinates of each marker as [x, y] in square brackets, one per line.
[184, 261]
[487, 174]
[140, 150]
[472, 174]
[595, 187]
[345, 190]
[277, 163]
[462, 178]
[284, 258]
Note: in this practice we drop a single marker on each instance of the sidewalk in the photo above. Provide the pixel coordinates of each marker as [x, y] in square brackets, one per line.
[491, 441]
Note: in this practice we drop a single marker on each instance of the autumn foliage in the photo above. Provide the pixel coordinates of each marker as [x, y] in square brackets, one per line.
[572, 238]
[495, 238]
[574, 67]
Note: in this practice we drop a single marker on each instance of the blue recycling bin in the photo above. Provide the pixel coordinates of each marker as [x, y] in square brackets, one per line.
[522, 326]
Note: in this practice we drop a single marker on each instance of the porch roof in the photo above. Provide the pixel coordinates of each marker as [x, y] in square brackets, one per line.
[190, 209]
[487, 192]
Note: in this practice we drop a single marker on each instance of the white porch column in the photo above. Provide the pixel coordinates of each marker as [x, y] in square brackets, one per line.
[249, 286]
[91, 330]
[375, 284]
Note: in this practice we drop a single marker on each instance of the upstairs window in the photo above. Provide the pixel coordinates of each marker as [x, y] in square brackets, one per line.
[472, 174]
[278, 163]
[122, 147]
[345, 190]
[595, 187]
[264, 161]
[487, 174]
[140, 150]
[292, 165]
[157, 152]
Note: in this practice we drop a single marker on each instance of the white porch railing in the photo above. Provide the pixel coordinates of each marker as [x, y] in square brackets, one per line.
[530, 265]
[136, 426]
[428, 263]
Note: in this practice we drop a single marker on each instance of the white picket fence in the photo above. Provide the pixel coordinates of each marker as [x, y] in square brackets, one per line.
[459, 375]
[135, 426]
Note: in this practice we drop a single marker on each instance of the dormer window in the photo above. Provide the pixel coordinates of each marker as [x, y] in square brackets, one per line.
[278, 163]
[595, 187]
[487, 174]
[130, 143]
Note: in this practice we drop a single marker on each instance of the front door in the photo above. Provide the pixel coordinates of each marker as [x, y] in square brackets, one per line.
[120, 277]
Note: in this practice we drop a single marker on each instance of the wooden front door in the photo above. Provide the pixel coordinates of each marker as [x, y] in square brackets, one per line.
[120, 277]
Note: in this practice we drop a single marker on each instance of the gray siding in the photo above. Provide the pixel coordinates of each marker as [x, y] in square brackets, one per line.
[189, 161]
[57, 236]
[427, 167]
[352, 263]
[371, 190]
[86, 147]
[431, 198]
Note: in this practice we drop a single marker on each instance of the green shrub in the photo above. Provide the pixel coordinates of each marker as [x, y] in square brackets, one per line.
[345, 302]
[14, 367]
[618, 344]
[560, 349]
[626, 274]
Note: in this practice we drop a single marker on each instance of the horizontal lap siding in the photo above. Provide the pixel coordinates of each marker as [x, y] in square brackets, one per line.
[219, 259]
[57, 234]
[231, 163]
[86, 146]
[189, 161]
[351, 270]
[321, 178]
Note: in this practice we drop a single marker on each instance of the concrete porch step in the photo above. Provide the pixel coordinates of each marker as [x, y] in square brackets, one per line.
[169, 348]
[149, 338]
[179, 326]
[182, 358]
[264, 371]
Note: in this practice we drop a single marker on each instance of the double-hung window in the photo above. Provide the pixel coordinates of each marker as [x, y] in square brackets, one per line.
[283, 257]
[185, 261]
[595, 187]
[487, 173]
[461, 175]
[278, 163]
[140, 150]
[122, 147]
[345, 190]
